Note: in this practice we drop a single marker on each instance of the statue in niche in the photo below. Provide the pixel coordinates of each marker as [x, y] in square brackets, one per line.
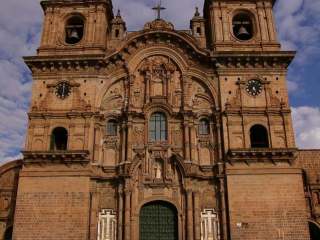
[138, 135]
[158, 81]
[177, 80]
[177, 136]
[137, 90]
[158, 169]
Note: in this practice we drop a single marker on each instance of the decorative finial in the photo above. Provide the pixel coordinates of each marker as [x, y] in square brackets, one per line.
[158, 9]
[197, 14]
[119, 13]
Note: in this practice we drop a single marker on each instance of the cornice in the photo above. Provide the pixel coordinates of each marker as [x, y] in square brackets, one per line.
[252, 59]
[273, 155]
[81, 157]
[48, 115]
[256, 111]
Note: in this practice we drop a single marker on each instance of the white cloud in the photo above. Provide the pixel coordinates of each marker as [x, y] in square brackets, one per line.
[20, 23]
[307, 126]
[299, 29]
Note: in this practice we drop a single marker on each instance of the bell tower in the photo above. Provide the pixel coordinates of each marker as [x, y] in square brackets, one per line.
[75, 26]
[241, 25]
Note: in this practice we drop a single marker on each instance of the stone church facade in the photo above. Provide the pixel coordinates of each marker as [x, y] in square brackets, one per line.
[160, 133]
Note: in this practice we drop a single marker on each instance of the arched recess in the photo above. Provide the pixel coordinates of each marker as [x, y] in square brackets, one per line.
[112, 96]
[314, 229]
[111, 80]
[135, 60]
[180, 60]
[8, 233]
[259, 136]
[59, 139]
[160, 219]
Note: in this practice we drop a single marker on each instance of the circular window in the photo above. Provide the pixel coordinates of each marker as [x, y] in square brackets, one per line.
[242, 26]
[74, 30]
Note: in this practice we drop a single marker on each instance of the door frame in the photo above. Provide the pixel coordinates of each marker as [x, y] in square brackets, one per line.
[136, 220]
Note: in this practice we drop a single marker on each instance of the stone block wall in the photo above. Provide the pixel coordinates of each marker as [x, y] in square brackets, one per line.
[52, 208]
[267, 203]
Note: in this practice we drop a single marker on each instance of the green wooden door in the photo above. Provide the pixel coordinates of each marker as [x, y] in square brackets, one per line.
[158, 221]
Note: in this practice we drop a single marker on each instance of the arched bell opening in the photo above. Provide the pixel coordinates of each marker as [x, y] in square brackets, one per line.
[314, 229]
[259, 137]
[242, 25]
[59, 139]
[158, 220]
[74, 30]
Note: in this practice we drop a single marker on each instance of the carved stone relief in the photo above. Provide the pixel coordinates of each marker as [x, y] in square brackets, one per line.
[200, 99]
[177, 135]
[160, 77]
[114, 98]
[209, 225]
[107, 228]
[138, 135]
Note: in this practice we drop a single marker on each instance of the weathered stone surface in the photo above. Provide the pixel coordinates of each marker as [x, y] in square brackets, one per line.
[106, 92]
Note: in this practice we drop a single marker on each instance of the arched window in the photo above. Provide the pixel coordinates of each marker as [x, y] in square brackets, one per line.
[204, 127]
[59, 139]
[8, 234]
[112, 128]
[259, 137]
[158, 127]
[117, 33]
[74, 30]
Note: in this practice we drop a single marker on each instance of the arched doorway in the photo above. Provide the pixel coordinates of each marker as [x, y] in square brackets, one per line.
[8, 234]
[158, 221]
[314, 231]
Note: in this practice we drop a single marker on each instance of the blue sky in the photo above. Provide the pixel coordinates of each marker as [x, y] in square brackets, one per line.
[298, 24]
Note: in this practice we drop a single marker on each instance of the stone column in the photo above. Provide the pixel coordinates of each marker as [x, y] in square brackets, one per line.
[270, 22]
[186, 141]
[196, 216]
[130, 140]
[127, 215]
[262, 22]
[147, 78]
[216, 23]
[193, 143]
[120, 214]
[189, 216]
[123, 142]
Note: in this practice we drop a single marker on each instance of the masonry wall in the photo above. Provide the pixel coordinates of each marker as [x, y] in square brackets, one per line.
[309, 161]
[52, 208]
[9, 175]
[267, 204]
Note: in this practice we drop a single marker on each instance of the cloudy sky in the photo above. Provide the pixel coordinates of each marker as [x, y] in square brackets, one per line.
[20, 26]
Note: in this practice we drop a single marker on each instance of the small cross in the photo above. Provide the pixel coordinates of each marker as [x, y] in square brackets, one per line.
[158, 9]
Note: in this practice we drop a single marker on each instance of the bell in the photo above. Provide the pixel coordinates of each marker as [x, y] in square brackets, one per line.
[73, 34]
[243, 32]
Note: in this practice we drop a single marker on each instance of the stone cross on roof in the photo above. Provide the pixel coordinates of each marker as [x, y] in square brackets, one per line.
[158, 9]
